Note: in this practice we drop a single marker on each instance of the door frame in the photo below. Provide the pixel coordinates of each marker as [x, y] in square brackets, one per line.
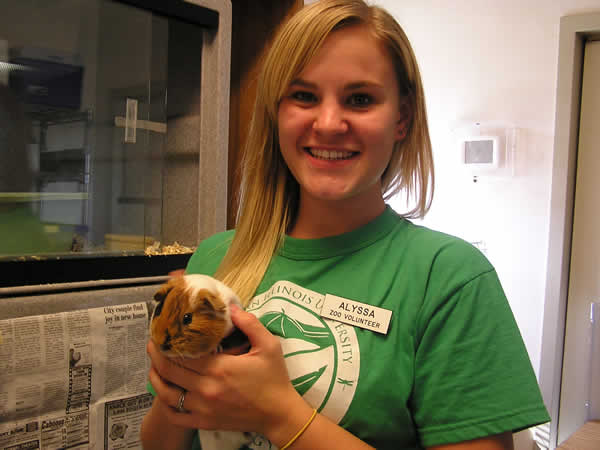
[574, 32]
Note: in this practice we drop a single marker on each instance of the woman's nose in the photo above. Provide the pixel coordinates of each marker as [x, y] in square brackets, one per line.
[330, 119]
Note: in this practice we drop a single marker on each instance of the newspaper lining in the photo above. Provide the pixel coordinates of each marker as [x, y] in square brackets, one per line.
[74, 379]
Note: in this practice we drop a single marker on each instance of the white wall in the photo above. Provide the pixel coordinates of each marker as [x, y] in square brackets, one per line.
[494, 62]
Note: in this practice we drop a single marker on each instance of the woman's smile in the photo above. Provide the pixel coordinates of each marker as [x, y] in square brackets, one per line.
[330, 155]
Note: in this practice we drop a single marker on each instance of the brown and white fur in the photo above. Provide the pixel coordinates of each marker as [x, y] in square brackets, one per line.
[191, 319]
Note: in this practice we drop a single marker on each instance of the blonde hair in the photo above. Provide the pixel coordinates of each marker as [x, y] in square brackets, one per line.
[269, 194]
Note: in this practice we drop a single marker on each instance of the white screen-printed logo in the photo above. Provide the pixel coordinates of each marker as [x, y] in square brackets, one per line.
[322, 355]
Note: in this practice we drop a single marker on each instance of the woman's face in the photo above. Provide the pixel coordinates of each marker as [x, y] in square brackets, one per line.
[340, 119]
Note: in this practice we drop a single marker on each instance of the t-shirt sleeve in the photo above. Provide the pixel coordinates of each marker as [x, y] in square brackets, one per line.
[208, 255]
[150, 388]
[473, 376]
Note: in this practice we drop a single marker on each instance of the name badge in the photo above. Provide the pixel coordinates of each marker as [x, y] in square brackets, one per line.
[356, 313]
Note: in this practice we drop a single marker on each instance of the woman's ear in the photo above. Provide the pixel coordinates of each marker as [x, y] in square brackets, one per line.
[405, 116]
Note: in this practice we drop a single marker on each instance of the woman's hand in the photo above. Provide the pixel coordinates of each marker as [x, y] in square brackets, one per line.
[247, 392]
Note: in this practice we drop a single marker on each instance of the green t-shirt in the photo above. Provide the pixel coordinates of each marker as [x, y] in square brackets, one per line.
[452, 366]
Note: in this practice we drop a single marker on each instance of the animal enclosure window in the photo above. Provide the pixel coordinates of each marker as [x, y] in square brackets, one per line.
[100, 129]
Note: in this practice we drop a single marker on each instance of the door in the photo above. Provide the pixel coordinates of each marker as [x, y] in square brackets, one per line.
[576, 404]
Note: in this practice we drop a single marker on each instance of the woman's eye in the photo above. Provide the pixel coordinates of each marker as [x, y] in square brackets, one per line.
[303, 96]
[187, 318]
[360, 100]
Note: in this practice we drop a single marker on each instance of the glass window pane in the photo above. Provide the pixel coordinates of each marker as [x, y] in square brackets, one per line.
[93, 158]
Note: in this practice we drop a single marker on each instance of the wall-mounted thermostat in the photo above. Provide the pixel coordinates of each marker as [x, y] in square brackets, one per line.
[480, 152]
[486, 149]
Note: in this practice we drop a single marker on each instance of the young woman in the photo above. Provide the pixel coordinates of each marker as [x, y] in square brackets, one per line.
[398, 336]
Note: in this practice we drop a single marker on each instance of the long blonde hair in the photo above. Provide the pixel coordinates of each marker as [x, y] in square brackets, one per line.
[269, 194]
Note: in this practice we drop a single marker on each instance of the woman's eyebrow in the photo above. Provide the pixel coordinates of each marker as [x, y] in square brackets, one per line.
[299, 82]
[362, 84]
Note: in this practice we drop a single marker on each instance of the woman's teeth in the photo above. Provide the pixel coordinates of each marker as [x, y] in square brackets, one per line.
[330, 155]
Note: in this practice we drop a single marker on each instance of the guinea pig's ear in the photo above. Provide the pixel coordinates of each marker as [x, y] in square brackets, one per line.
[162, 293]
[160, 296]
[209, 301]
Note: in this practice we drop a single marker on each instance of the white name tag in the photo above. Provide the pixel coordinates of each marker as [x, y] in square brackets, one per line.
[356, 313]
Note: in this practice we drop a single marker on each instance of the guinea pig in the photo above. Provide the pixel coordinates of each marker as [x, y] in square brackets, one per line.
[192, 316]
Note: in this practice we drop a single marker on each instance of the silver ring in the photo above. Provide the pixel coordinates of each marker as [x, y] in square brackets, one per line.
[180, 407]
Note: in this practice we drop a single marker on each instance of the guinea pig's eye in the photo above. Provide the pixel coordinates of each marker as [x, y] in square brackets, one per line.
[187, 319]
[158, 309]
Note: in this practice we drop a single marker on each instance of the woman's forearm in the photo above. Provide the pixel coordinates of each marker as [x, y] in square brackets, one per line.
[158, 434]
[319, 435]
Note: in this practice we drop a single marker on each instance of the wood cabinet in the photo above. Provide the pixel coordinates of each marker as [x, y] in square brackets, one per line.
[253, 26]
